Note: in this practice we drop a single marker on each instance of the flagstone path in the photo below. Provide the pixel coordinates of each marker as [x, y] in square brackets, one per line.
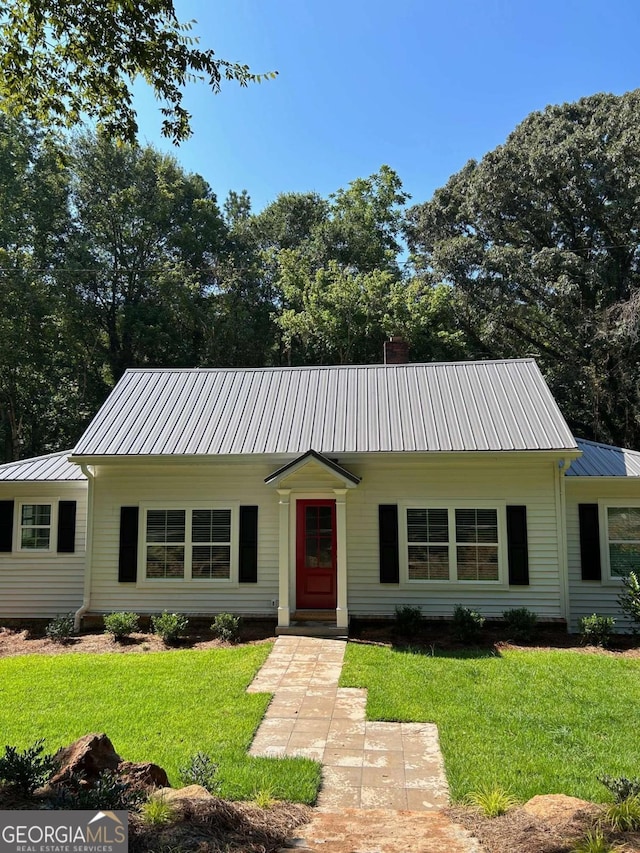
[366, 765]
[375, 775]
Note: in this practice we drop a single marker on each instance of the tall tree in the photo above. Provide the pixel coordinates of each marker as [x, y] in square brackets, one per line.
[540, 243]
[62, 61]
[147, 239]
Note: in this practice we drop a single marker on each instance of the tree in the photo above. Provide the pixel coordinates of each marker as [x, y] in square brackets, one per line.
[539, 243]
[142, 261]
[62, 60]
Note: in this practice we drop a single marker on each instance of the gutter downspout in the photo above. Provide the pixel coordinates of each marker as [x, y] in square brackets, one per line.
[561, 521]
[86, 598]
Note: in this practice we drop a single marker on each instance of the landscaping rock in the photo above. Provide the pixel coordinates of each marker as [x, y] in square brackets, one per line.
[87, 757]
[190, 792]
[143, 775]
[558, 810]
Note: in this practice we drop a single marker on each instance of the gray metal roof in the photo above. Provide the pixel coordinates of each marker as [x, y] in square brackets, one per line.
[486, 405]
[604, 460]
[52, 467]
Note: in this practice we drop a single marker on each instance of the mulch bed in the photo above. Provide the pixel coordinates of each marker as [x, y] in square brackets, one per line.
[520, 832]
[31, 641]
[209, 826]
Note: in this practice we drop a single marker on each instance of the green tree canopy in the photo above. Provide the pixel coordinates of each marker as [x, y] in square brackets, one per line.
[62, 60]
[539, 243]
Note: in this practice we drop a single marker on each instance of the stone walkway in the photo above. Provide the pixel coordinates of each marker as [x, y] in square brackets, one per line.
[366, 765]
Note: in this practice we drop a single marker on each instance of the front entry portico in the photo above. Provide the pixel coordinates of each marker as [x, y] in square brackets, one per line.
[312, 537]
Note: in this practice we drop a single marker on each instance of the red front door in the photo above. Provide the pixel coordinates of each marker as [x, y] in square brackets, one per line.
[316, 555]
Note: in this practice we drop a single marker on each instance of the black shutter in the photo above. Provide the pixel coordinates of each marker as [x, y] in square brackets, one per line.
[589, 542]
[517, 545]
[66, 527]
[6, 525]
[248, 545]
[388, 532]
[128, 559]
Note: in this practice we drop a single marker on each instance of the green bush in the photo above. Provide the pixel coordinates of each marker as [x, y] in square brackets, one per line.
[121, 624]
[26, 770]
[623, 816]
[467, 624]
[492, 802]
[596, 630]
[60, 629]
[408, 620]
[169, 626]
[226, 627]
[520, 624]
[201, 770]
[157, 812]
[621, 787]
[629, 598]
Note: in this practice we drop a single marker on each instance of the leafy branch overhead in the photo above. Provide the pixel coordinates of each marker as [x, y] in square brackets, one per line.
[62, 60]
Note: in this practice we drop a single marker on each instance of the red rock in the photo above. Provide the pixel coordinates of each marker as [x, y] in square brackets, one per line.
[87, 757]
[143, 775]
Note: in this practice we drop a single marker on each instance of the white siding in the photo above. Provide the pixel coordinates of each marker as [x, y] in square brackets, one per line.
[589, 597]
[411, 478]
[420, 480]
[172, 484]
[42, 585]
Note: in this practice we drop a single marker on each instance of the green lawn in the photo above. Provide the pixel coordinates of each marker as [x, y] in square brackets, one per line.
[160, 707]
[533, 722]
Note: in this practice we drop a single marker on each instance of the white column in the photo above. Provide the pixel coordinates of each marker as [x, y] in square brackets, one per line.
[283, 573]
[342, 612]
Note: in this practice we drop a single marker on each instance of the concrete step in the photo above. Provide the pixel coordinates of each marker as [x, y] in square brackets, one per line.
[313, 628]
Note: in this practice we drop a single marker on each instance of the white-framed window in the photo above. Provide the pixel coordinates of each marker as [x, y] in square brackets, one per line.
[428, 544]
[455, 544]
[477, 547]
[35, 523]
[622, 539]
[189, 543]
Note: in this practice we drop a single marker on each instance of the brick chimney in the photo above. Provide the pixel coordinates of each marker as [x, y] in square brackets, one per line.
[396, 351]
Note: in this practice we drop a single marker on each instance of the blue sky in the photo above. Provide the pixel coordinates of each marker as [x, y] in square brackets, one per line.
[419, 85]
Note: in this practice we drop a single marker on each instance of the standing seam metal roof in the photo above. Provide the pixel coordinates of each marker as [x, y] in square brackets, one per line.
[604, 460]
[51, 467]
[457, 406]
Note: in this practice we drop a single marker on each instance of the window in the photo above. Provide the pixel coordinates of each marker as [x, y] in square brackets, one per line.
[453, 544]
[623, 528]
[211, 530]
[35, 527]
[428, 542]
[188, 544]
[477, 544]
[165, 543]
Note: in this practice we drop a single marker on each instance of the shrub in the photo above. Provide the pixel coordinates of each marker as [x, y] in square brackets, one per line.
[408, 620]
[109, 792]
[26, 770]
[596, 630]
[60, 629]
[201, 770]
[226, 627]
[520, 623]
[158, 812]
[492, 802]
[265, 798]
[594, 842]
[121, 624]
[621, 787]
[623, 816]
[467, 624]
[629, 598]
[169, 626]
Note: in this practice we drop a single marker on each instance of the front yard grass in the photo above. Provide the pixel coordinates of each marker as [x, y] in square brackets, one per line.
[533, 722]
[159, 707]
